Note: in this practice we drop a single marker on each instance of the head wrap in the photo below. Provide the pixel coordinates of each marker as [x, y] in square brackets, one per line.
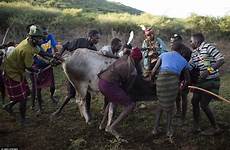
[36, 31]
[149, 31]
[176, 37]
[136, 53]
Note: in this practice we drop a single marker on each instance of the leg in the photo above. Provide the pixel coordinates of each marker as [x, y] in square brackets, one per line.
[22, 109]
[39, 99]
[33, 94]
[169, 124]
[8, 107]
[3, 94]
[105, 103]
[106, 111]
[178, 104]
[196, 111]
[112, 108]
[122, 115]
[71, 94]
[207, 110]
[88, 101]
[52, 89]
[204, 103]
[184, 105]
[157, 120]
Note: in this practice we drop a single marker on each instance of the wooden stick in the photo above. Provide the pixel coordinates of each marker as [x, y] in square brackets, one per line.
[4, 38]
[211, 93]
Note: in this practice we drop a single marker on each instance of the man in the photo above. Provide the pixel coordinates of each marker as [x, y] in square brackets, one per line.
[15, 65]
[152, 47]
[90, 42]
[115, 82]
[170, 65]
[113, 49]
[181, 101]
[46, 77]
[5, 51]
[208, 60]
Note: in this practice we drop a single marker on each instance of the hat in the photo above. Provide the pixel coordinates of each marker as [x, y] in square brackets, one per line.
[148, 31]
[136, 54]
[176, 37]
[36, 31]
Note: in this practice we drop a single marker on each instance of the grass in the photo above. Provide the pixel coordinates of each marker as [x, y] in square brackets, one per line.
[69, 130]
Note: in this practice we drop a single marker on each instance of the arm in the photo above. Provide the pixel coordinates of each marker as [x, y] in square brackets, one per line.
[187, 78]
[156, 67]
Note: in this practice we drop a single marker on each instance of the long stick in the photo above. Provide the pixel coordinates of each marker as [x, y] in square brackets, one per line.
[4, 38]
[7, 30]
[211, 93]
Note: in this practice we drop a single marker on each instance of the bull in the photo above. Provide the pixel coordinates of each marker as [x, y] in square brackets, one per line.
[81, 68]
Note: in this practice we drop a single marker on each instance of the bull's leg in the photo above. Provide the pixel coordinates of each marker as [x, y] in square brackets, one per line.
[88, 103]
[82, 89]
[83, 110]
[71, 94]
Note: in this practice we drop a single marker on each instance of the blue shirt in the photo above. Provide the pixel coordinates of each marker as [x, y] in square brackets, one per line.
[48, 44]
[172, 62]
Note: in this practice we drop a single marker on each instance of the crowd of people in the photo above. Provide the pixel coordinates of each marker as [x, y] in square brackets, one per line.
[172, 69]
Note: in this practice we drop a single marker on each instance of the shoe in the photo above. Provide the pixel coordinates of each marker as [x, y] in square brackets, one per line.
[212, 131]
[195, 130]
[8, 109]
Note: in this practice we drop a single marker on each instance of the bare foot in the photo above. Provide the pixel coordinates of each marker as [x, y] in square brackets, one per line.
[113, 132]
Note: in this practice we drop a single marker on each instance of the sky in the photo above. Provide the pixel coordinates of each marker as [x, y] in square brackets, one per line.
[181, 8]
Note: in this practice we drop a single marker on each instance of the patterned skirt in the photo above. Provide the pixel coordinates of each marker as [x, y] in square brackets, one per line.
[167, 86]
[17, 91]
[44, 79]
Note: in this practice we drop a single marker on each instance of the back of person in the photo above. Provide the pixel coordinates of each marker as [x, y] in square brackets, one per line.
[172, 62]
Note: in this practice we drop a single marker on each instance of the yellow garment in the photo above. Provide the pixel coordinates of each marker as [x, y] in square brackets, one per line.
[20, 59]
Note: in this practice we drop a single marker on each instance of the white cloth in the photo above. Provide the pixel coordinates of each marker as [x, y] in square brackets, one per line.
[107, 51]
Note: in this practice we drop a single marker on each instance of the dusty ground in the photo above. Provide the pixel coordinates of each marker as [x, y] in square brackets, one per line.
[69, 130]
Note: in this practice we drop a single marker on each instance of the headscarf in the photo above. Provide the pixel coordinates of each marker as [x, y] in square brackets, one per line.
[149, 31]
[136, 54]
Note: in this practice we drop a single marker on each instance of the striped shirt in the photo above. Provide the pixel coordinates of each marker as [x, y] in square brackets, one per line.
[204, 57]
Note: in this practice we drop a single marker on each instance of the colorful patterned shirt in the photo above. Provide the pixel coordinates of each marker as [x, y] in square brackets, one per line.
[205, 56]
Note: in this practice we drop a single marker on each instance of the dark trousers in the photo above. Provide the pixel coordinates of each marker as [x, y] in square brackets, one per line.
[202, 101]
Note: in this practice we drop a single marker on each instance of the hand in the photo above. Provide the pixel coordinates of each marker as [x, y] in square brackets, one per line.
[204, 74]
[36, 71]
[152, 75]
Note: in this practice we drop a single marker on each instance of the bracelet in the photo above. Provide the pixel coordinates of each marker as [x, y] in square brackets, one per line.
[210, 70]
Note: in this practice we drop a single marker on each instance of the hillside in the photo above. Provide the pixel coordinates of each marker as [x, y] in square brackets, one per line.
[100, 6]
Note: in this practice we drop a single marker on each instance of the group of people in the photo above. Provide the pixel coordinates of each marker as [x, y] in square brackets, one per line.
[172, 71]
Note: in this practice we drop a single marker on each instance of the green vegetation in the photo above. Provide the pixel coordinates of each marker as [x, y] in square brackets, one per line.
[62, 15]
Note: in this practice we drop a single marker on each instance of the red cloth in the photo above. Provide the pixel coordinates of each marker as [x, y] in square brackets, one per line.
[149, 31]
[136, 54]
[44, 79]
[17, 91]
